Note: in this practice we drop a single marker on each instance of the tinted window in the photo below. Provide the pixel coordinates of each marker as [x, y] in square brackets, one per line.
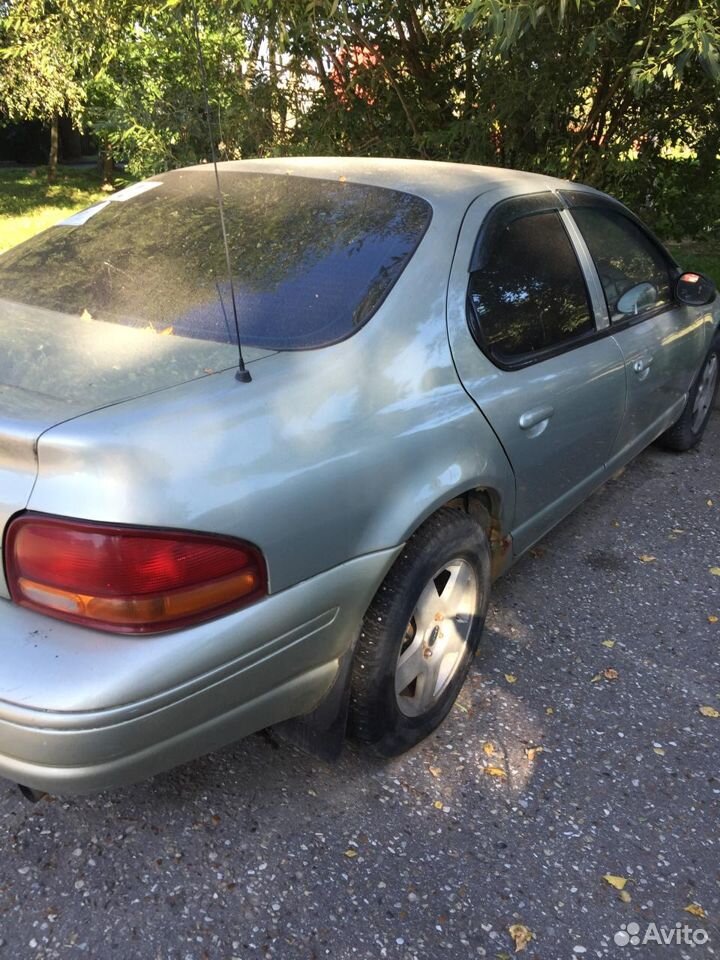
[529, 296]
[625, 258]
[312, 259]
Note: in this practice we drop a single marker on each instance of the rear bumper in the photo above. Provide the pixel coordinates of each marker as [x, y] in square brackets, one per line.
[81, 710]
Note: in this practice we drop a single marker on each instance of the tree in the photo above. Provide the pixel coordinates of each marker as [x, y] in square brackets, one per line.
[610, 91]
[50, 52]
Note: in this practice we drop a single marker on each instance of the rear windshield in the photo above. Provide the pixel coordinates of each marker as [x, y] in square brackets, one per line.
[312, 259]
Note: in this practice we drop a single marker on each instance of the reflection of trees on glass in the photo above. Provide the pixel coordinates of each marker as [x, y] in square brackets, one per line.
[530, 294]
[311, 258]
[623, 255]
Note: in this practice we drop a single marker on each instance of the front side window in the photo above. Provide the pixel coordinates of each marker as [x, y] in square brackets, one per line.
[633, 271]
[529, 295]
[312, 259]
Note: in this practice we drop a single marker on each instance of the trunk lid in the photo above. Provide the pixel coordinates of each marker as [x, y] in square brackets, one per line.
[54, 367]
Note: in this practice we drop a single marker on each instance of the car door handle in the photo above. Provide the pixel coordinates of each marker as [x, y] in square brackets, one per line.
[536, 420]
[642, 366]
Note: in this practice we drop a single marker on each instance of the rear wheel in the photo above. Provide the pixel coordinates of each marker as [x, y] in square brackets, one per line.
[420, 634]
[688, 430]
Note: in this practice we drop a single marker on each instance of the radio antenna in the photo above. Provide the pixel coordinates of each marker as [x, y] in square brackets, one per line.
[242, 373]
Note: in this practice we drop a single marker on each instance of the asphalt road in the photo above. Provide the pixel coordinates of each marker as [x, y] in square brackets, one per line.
[261, 851]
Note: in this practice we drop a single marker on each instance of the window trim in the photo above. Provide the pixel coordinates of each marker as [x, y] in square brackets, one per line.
[516, 208]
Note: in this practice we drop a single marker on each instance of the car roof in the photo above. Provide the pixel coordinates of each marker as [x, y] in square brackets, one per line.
[437, 181]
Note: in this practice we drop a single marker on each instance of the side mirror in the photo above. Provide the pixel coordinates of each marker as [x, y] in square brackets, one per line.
[637, 298]
[694, 289]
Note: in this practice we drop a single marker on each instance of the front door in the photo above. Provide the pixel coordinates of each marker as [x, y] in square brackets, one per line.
[663, 343]
[524, 334]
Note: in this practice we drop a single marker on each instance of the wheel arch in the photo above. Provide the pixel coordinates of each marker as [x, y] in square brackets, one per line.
[486, 505]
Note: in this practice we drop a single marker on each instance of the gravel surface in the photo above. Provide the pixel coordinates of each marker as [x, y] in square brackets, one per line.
[596, 656]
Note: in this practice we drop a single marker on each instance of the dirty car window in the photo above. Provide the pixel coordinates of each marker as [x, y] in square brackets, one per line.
[312, 258]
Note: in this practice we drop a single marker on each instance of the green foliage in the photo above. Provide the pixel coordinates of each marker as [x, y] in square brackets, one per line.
[597, 90]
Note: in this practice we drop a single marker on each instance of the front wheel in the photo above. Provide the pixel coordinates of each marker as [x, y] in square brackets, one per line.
[688, 430]
[420, 634]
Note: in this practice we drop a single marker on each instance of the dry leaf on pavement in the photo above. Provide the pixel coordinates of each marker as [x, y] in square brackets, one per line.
[696, 910]
[647, 558]
[511, 678]
[495, 771]
[521, 936]
[710, 712]
[615, 881]
[609, 673]
[532, 752]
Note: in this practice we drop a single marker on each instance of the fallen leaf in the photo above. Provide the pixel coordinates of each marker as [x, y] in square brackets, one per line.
[715, 571]
[659, 751]
[521, 936]
[438, 804]
[625, 896]
[435, 771]
[713, 619]
[609, 644]
[696, 910]
[549, 711]
[488, 749]
[609, 673]
[532, 752]
[350, 853]
[511, 678]
[647, 558]
[614, 881]
[710, 712]
[495, 771]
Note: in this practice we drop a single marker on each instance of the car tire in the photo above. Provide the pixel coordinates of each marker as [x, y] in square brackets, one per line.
[688, 430]
[423, 627]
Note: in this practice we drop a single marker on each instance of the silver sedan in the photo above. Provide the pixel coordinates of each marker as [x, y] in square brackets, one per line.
[439, 362]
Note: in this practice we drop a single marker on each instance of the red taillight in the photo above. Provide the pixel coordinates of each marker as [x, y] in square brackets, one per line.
[125, 579]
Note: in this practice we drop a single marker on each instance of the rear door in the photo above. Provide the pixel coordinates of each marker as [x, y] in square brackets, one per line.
[528, 332]
[662, 342]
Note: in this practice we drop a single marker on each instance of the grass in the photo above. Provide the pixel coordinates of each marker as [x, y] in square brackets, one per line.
[29, 204]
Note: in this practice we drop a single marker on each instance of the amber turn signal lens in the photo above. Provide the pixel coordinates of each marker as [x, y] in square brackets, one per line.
[126, 579]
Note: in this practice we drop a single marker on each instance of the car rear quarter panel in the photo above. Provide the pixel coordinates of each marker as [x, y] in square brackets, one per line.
[326, 455]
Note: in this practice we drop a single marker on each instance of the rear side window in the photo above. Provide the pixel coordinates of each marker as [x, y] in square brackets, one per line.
[312, 259]
[529, 295]
[626, 259]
